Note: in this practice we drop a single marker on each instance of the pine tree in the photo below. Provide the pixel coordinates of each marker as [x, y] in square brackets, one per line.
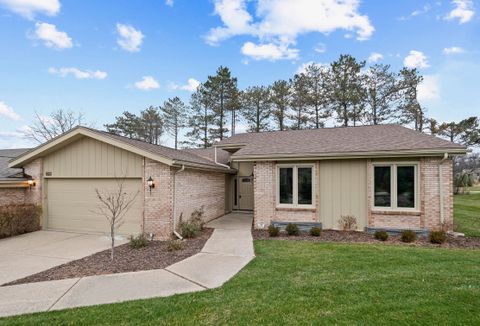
[301, 115]
[174, 117]
[280, 96]
[199, 121]
[346, 92]
[410, 109]
[257, 108]
[315, 77]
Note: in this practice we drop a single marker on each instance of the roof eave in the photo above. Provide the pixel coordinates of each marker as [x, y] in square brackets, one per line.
[349, 155]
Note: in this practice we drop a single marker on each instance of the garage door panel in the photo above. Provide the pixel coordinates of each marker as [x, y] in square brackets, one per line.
[72, 205]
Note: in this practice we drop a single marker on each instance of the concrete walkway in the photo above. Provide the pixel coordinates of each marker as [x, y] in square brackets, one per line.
[227, 251]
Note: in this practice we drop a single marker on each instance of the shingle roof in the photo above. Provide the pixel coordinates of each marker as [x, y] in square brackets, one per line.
[223, 157]
[189, 156]
[6, 155]
[340, 140]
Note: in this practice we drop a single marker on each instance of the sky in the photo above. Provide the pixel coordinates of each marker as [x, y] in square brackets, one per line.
[104, 57]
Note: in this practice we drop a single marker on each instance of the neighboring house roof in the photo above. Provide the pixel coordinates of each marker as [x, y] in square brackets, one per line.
[6, 173]
[375, 140]
[159, 153]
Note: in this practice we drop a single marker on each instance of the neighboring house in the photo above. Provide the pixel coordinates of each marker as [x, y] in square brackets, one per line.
[387, 176]
[13, 182]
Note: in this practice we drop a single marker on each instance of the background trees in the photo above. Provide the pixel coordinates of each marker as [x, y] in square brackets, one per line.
[256, 108]
[45, 128]
[174, 114]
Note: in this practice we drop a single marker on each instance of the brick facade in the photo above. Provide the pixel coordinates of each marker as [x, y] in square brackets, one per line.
[13, 196]
[24, 194]
[196, 189]
[428, 216]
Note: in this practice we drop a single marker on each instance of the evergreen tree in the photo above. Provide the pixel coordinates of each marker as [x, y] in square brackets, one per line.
[382, 92]
[174, 117]
[411, 112]
[280, 97]
[345, 89]
[257, 108]
[301, 114]
[221, 94]
[199, 121]
[316, 93]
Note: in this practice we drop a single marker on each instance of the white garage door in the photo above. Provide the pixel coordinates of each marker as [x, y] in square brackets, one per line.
[72, 203]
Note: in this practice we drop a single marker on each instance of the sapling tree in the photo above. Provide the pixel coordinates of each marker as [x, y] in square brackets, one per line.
[114, 205]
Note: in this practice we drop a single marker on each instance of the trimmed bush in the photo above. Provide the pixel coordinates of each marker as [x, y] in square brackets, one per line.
[174, 245]
[381, 235]
[315, 231]
[408, 236]
[189, 229]
[273, 231]
[19, 219]
[197, 217]
[139, 241]
[437, 237]
[292, 229]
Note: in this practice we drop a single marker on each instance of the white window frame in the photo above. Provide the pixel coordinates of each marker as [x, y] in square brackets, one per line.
[295, 203]
[393, 184]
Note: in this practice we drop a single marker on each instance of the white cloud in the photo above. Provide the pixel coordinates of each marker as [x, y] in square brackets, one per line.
[280, 22]
[8, 112]
[77, 73]
[320, 48]
[429, 89]
[129, 38]
[453, 50]
[375, 57]
[147, 83]
[416, 59]
[463, 11]
[52, 37]
[191, 85]
[169, 3]
[269, 51]
[28, 8]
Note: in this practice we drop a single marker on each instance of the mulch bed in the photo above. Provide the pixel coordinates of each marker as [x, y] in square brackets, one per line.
[363, 237]
[127, 259]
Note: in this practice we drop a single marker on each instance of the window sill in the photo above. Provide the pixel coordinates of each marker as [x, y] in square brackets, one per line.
[396, 212]
[296, 208]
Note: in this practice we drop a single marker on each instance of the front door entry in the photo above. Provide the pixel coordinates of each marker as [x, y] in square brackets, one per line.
[245, 193]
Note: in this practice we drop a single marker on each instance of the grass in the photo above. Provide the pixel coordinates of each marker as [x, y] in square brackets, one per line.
[296, 282]
[467, 214]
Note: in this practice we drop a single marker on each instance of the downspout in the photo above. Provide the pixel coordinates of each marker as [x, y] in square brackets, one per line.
[440, 180]
[216, 161]
[174, 202]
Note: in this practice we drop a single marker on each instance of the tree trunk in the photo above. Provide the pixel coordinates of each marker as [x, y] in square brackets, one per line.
[112, 235]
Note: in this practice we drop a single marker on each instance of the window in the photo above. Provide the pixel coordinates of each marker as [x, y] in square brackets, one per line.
[295, 185]
[395, 186]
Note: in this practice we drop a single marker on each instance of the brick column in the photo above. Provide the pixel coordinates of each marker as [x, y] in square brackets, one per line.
[264, 194]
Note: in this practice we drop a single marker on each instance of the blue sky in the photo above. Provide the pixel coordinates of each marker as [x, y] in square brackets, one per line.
[104, 57]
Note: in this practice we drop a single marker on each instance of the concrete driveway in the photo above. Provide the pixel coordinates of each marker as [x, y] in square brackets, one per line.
[34, 252]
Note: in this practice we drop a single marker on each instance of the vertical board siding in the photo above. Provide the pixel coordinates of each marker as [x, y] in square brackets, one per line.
[343, 191]
[88, 157]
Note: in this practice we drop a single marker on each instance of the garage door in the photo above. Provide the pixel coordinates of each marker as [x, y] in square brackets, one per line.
[71, 205]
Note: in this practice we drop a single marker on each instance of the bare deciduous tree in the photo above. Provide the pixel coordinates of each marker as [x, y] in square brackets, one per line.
[45, 128]
[114, 204]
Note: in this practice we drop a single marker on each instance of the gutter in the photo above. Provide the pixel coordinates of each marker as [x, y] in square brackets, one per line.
[216, 161]
[440, 186]
[174, 201]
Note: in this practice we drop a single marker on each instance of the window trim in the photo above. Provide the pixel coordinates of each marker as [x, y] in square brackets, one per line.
[295, 186]
[394, 186]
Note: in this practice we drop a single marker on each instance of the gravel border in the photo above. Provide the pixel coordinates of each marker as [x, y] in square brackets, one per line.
[363, 237]
[127, 259]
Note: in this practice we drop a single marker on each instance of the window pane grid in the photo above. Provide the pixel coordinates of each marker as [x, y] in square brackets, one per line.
[395, 186]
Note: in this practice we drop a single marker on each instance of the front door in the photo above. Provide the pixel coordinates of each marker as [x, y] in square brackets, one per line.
[245, 193]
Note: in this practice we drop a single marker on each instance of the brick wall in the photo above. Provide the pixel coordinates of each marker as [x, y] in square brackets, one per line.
[195, 189]
[428, 215]
[13, 196]
[158, 203]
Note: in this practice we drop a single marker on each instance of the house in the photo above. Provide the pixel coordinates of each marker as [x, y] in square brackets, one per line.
[13, 182]
[386, 176]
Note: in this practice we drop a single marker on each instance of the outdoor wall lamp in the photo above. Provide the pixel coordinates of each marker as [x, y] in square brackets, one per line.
[31, 183]
[150, 184]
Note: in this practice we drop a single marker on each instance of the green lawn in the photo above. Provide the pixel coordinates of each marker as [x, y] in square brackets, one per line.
[467, 214]
[322, 283]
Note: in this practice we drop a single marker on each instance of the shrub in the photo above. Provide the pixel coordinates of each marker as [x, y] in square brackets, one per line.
[189, 229]
[315, 231]
[408, 236]
[174, 245]
[292, 229]
[381, 235]
[139, 241]
[347, 222]
[273, 231]
[19, 219]
[437, 237]
[197, 217]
